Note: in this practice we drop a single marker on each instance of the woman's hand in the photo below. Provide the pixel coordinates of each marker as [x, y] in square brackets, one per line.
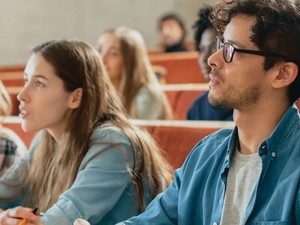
[81, 222]
[19, 216]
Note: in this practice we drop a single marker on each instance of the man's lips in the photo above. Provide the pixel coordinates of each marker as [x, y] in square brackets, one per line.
[213, 80]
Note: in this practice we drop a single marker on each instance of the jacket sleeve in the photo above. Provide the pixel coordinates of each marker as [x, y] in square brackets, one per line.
[12, 191]
[297, 206]
[102, 178]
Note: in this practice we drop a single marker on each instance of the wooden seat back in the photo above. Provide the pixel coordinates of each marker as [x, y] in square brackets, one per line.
[176, 139]
[181, 67]
[181, 97]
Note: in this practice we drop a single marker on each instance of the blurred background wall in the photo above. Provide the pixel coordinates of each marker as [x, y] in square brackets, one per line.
[25, 23]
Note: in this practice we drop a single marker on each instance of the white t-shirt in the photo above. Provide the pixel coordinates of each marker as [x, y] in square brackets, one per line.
[243, 176]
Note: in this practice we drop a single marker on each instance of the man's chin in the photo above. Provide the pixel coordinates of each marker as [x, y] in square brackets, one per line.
[219, 103]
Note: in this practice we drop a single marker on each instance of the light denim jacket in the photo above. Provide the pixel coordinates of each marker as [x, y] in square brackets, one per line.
[102, 192]
[197, 194]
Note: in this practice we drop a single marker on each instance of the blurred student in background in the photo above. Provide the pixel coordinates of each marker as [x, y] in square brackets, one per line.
[126, 60]
[172, 33]
[11, 145]
[205, 37]
[87, 161]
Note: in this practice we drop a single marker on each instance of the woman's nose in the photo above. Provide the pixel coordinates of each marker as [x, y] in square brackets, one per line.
[22, 96]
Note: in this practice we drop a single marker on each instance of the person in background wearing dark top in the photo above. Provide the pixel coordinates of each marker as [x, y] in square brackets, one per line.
[172, 33]
[205, 36]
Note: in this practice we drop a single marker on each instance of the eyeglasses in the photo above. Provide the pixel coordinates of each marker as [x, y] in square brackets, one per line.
[229, 50]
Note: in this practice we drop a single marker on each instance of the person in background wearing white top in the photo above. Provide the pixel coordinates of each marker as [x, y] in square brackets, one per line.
[126, 60]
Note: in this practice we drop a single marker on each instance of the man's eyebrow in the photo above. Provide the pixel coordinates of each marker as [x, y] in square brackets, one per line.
[236, 43]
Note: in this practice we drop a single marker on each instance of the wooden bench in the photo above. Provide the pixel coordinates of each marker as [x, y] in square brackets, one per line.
[13, 92]
[298, 104]
[12, 68]
[177, 138]
[181, 67]
[12, 75]
[14, 123]
[181, 97]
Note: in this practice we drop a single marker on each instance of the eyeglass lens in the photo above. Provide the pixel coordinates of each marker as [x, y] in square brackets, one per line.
[227, 49]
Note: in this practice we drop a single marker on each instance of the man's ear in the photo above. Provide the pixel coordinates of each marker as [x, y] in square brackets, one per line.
[287, 73]
[75, 98]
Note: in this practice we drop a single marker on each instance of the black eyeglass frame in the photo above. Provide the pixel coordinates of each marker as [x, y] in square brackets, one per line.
[221, 44]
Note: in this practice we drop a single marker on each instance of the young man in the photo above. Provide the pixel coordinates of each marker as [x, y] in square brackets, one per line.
[250, 175]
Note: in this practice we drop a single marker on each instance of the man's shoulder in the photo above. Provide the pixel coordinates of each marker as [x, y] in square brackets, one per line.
[221, 134]
[210, 151]
[214, 141]
[108, 132]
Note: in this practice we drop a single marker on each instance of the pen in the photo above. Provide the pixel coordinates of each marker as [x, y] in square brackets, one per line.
[24, 221]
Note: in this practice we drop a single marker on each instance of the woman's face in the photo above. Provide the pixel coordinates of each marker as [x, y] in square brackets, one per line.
[44, 103]
[108, 46]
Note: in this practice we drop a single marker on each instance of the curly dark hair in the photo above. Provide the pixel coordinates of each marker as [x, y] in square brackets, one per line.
[277, 29]
[202, 24]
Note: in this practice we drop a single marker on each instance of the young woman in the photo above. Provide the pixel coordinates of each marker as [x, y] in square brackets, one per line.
[88, 161]
[11, 146]
[125, 57]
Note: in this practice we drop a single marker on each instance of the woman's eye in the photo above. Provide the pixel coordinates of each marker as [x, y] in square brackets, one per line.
[39, 84]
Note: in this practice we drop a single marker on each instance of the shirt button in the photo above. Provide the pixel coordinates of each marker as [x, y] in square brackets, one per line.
[273, 154]
[215, 223]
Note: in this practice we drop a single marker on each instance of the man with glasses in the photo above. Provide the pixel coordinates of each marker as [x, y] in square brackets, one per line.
[251, 174]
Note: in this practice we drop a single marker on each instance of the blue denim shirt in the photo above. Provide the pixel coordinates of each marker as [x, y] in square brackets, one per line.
[197, 194]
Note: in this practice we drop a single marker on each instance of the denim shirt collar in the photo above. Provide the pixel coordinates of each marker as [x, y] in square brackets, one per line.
[275, 141]
[279, 137]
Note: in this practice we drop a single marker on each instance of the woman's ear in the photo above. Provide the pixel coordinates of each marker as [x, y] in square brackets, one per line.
[287, 73]
[75, 98]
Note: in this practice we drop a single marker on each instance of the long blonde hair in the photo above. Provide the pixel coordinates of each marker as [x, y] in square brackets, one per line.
[137, 71]
[5, 101]
[55, 166]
